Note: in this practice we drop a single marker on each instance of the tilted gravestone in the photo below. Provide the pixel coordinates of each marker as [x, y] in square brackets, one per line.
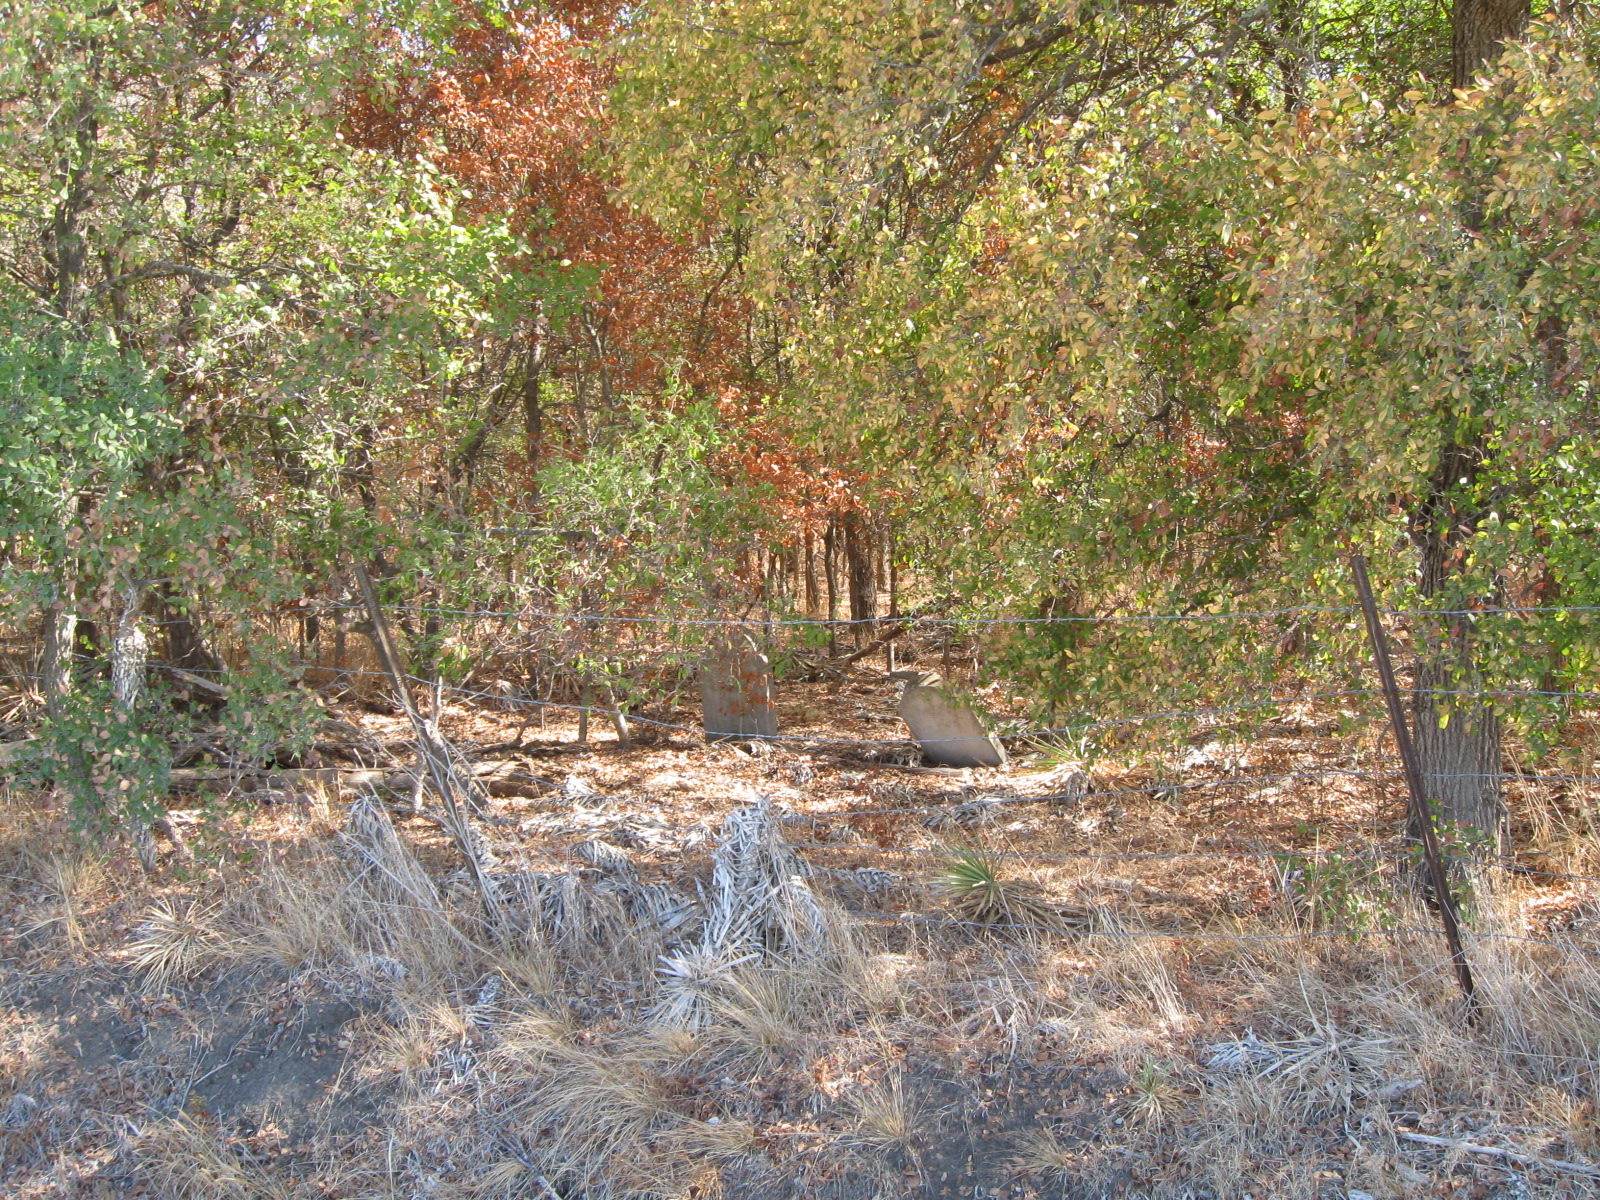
[736, 691]
[947, 728]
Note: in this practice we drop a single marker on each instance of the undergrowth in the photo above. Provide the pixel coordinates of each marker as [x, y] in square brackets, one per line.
[831, 1052]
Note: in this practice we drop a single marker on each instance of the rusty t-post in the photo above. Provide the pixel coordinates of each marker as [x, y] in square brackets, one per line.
[1423, 818]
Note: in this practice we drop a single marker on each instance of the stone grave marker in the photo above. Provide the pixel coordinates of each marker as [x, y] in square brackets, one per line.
[736, 691]
[949, 730]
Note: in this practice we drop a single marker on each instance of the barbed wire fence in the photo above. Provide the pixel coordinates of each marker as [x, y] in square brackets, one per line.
[1278, 862]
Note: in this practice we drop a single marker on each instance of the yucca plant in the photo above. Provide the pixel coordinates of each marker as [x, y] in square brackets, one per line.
[978, 893]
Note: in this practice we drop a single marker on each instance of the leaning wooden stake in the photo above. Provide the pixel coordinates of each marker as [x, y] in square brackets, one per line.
[435, 756]
[1422, 817]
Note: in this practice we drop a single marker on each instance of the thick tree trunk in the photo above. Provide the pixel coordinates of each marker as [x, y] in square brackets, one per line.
[1457, 734]
[1478, 31]
[1458, 746]
[186, 645]
[1458, 737]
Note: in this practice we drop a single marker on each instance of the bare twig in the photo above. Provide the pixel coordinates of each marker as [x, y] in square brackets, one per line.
[435, 754]
[1526, 1160]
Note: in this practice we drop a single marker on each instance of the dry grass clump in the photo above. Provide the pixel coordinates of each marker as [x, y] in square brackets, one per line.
[879, 981]
[64, 882]
[889, 1118]
[187, 1162]
[24, 844]
[369, 912]
[1047, 1154]
[764, 1014]
[179, 941]
[410, 1048]
[600, 1115]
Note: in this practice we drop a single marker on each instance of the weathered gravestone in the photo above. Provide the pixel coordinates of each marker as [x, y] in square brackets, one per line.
[947, 728]
[736, 691]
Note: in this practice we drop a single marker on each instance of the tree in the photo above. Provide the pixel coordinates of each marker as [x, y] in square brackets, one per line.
[1479, 30]
[1459, 744]
[515, 114]
[1138, 290]
[202, 282]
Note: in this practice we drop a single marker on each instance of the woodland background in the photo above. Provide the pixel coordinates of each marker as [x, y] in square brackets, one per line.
[1070, 350]
[842, 311]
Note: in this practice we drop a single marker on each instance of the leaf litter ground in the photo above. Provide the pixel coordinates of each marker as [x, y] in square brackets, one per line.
[268, 1024]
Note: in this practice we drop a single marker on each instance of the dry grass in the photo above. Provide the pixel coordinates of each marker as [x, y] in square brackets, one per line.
[178, 941]
[1048, 1155]
[66, 879]
[600, 1114]
[765, 1014]
[888, 1118]
[188, 1162]
[1180, 1032]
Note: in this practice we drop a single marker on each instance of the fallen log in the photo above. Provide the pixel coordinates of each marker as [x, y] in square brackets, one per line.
[200, 684]
[874, 646]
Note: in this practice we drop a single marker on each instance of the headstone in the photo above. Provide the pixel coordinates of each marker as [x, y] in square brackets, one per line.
[736, 692]
[950, 733]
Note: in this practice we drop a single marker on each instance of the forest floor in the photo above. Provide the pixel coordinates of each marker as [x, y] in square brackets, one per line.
[1164, 1008]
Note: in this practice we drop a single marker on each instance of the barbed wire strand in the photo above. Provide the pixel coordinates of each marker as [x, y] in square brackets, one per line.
[956, 619]
[831, 623]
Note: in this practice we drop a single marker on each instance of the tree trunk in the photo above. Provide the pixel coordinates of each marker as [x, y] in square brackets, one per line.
[1479, 30]
[186, 646]
[858, 554]
[61, 630]
[341, 645]
[894, 574]
[1457, 735]
[130, 656]
[580, 407]
[1458, 746]
[532, 404]
[813, 590]
[130, 652]
[619, 720]
[831, 567]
